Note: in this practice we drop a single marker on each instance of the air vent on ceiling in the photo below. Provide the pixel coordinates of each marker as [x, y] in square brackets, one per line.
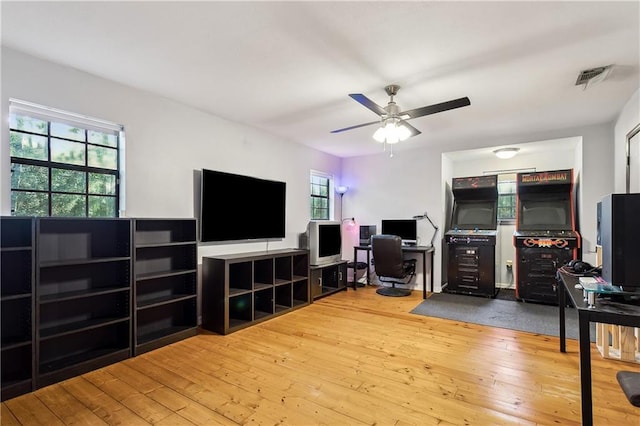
[593, 75]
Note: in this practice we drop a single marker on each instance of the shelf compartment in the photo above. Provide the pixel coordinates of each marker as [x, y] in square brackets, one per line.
[16, 275]
[300, 292]
[161, 260]
[16, 371]
[70, 316]
[283, 299]
[300, 266]
[16, 322]
[165, 320]
[84, 351]
[263, 305]
[164, 300]
[156, 275]
[152, 232]
[262, 273]
[16, 232]
[78, 262]
[158, 290]
[240, 310]
[74, 239]
[261, 286]
[61, 282]
[283, 269]
[240, 276]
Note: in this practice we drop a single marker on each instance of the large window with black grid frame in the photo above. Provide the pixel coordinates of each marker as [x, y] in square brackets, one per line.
[62, 163]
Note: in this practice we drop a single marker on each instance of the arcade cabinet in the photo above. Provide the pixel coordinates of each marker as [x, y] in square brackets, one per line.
[546, 237]
[471, 240]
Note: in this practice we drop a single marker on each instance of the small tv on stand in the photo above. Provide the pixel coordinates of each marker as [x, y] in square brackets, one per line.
[324, 241]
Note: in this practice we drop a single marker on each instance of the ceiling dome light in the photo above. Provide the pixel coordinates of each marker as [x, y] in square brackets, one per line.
[506, 153]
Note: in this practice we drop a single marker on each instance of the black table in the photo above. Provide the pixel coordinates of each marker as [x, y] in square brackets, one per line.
[423, 250]
[605, 311]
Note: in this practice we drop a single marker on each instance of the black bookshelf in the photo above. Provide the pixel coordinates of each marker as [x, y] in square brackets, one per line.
[165, 287]
[17, 306]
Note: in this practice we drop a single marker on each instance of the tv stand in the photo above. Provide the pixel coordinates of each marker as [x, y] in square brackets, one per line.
[328, 278]
[242, 289]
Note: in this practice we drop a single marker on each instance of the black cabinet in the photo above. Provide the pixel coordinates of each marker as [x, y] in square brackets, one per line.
[471, 270]
[239, 290]
[165, 290]
[537, 268]
[328, 279]
[17, 306]
[83, 295]
[70, 303]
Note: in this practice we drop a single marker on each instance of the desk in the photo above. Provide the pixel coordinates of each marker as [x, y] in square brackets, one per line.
[423, 250]
[605, 311]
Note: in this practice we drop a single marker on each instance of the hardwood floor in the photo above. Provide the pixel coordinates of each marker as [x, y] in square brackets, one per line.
[351, 358]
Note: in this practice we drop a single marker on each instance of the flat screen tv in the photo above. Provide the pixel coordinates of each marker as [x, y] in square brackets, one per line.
[324, 241]
[550, 214]
[474, 215]
[236, 207]
[406, 229]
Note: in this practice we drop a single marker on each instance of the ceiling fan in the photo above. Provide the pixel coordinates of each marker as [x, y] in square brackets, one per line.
[391, 114]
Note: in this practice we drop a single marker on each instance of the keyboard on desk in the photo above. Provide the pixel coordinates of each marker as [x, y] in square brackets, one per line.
[598, 285]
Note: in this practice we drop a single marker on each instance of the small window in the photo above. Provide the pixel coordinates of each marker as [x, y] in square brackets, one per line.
[63, 164]
[320, 196]
[507, 197]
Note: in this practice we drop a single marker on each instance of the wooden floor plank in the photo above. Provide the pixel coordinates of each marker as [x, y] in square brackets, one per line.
[104, 406]
[29, 410]
[6, 416]
[66, 407]
[354, 357]
[128, 396]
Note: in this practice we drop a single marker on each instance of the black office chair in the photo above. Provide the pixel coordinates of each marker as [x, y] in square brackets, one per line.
[390, 265]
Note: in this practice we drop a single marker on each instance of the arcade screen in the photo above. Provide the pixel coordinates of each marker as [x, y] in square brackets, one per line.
[545, 214]
[474, 214]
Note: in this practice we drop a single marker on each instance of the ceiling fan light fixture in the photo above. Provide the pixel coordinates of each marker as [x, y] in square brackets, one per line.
[506, 153]
[394, 127]
[403, 132]
[392, 131]
[380, 135]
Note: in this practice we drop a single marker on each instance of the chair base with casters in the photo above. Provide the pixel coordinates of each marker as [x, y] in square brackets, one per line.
[390, 266]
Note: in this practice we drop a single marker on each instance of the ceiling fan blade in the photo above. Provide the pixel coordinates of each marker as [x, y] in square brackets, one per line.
[432, 109]
[356, 126]
[414, 131]
[363, 100]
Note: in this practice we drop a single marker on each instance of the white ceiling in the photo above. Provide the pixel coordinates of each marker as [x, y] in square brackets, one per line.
[287, 67]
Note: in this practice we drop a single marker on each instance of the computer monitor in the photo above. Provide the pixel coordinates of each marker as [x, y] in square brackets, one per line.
[366, 231]
[406, 229]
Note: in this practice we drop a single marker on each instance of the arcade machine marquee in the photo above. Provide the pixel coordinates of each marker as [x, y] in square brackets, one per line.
[546, 237]
[471, 240]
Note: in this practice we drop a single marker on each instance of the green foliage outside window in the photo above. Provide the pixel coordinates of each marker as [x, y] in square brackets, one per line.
[507, 197]
[58, 169]
[320, 197]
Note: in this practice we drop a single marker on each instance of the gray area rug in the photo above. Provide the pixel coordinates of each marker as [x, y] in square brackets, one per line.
[514, 315]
